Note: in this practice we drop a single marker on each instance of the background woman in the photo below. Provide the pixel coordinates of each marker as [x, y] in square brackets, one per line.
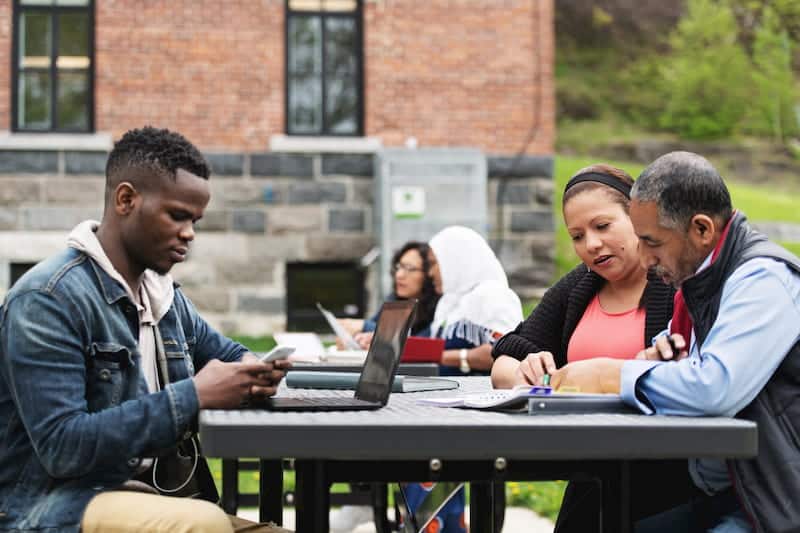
[608, 306]
[476, 307]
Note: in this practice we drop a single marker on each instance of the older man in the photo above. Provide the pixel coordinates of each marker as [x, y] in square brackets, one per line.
[732, 350]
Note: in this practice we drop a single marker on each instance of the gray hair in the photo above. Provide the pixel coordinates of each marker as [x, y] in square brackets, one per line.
[683, 184]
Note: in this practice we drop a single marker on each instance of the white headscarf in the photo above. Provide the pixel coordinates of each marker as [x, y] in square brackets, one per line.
[476, 303]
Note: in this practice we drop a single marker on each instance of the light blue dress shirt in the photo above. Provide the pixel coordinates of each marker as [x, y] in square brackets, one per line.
[757, 324]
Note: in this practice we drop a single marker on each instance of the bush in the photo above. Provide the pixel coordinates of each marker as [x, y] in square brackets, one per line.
[707, 77]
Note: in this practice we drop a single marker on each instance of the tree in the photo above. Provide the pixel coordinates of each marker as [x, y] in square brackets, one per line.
[773, 79]
[707, 77]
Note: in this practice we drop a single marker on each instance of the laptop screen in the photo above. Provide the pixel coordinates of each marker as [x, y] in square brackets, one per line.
[383, 357]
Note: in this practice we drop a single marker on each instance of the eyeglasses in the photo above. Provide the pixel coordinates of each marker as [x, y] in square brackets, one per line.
[408, 269]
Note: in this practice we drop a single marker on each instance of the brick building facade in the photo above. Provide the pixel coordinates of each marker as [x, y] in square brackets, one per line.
[452, 73]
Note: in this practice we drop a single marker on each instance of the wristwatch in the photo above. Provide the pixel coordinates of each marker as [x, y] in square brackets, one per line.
[464, 362]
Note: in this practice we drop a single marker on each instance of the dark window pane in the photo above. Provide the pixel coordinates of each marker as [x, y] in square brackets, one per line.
[73, 100]
[34, 100]
[305, 45]
[34, 39]
[305, 104]
[340, 46]
[73, 35]
[342, 105]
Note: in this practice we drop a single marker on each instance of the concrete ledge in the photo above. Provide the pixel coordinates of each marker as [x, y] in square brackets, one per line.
[347, 145]
[92, 142]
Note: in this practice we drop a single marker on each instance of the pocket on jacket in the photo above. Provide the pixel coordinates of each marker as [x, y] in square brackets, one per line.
[104, 385]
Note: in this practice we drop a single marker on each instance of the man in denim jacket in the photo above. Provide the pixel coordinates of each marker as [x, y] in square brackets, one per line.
[85, 338]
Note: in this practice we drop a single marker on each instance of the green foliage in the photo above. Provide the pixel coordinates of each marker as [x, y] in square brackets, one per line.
[775, 95]
[707, 75]
[544, 497]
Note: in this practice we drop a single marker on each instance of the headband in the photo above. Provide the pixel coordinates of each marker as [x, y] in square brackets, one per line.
[605, 179]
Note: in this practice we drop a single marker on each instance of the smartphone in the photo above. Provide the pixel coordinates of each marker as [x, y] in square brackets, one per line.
[281, 351]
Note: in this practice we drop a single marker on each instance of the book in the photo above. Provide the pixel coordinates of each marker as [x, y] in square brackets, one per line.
[303, 379]
[495, 399]
[422, 350]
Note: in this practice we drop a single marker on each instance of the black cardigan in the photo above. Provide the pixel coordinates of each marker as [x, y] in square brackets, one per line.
[550, 326]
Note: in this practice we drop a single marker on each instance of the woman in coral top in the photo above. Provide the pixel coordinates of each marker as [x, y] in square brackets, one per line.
[607, 306]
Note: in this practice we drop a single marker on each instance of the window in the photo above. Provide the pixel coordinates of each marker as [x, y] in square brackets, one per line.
[53, 66]
[324, 67]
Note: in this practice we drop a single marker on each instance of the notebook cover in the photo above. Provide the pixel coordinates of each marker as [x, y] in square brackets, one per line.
[422, 350]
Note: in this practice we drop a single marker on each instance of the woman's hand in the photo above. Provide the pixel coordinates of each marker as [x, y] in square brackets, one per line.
[508, 372]
[532, 369]
[364, 339]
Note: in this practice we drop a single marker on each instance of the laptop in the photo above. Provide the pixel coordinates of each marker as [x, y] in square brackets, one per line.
[347, 340]
[377, 375]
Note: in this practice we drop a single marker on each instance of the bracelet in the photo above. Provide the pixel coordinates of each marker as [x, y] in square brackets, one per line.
[463, 361]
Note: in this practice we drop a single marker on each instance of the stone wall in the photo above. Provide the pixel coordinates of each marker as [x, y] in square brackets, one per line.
[266, 209]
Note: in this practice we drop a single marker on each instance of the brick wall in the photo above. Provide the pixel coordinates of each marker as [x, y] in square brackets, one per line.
[5, 64]
[461, 73]
[450, 73]
[212, 70]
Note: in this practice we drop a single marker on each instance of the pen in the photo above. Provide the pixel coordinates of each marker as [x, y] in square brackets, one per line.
[546, 380]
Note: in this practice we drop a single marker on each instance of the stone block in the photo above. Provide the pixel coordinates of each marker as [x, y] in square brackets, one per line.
[289, 247]
[520, 167]
[19, 191]
[28, 161]
[514, 192]
[28, 247]
[214, 220]
[544, 191]
[249, 221]
[346, 220]
[75, 191]
[196, 272]
[85, 163]
[317, 192]
[217, 247]
[225, 164]
[5, 276]
[278, 164]
[8, 219]
[244, 273]
[363, 191]
[779, 231]
[57, 218]
[254, 303]
[338, 247]
[530, 221]
[239, 192]
[213, 299]
[284, 220]
[347, 164]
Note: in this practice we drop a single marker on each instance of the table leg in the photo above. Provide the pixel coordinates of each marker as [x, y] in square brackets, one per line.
[270, 491]
[481, 506]
[616, 496]
[230, 486]
[312, 497]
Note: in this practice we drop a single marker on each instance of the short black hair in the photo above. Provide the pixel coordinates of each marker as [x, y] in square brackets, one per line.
[683, 184]
[156, 149]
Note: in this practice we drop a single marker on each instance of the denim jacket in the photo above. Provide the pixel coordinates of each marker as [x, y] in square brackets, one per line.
[75, 414]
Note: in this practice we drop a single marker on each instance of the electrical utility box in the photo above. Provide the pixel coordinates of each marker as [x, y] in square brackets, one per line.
[420, 191]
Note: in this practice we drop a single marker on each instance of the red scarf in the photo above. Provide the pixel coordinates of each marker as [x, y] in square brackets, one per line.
[681, 319]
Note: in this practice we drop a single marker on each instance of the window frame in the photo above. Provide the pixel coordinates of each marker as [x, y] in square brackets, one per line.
[358, 17]
[55, 11]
